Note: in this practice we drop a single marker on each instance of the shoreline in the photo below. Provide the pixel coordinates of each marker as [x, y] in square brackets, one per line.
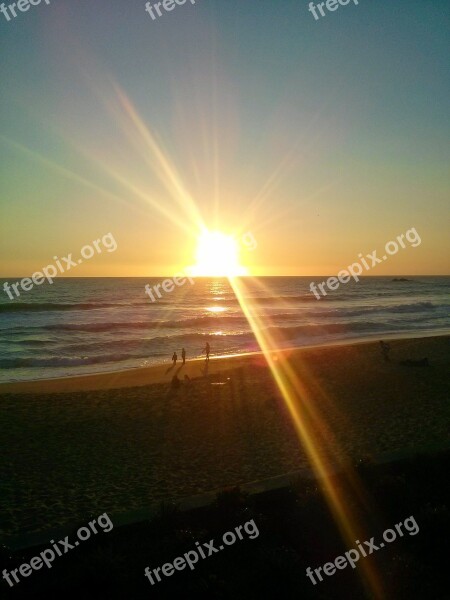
[163, 372]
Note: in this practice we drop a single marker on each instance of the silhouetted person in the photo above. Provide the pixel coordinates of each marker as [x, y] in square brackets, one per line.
[385, 348]
[175, 382]
[183, 355]
[207, 350]
[174, 358]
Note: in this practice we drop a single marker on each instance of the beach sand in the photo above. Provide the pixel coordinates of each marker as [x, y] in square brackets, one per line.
[76, 448]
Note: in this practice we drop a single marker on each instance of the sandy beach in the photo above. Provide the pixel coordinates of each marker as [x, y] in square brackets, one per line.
[118, 442]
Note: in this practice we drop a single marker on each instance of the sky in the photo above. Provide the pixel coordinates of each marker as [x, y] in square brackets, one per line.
[322, 138]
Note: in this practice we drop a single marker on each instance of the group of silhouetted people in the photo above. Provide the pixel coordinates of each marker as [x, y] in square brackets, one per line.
[176, 383]
[175, 357]
[206, 350]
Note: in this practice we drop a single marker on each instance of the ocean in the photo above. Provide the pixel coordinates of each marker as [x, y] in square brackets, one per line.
[81, 326]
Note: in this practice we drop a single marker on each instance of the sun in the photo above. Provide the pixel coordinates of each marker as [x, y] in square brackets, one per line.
[217, 256]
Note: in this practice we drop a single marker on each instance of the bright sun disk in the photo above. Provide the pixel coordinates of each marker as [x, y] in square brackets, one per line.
[217, 256]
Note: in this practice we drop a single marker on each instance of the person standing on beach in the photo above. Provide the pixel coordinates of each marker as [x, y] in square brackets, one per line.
[183, 355]
[174, 358]
[207, 350]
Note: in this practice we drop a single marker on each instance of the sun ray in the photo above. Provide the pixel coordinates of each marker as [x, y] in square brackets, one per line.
[62, 170]
[314, 437]
[163, 168]
[139, 193]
